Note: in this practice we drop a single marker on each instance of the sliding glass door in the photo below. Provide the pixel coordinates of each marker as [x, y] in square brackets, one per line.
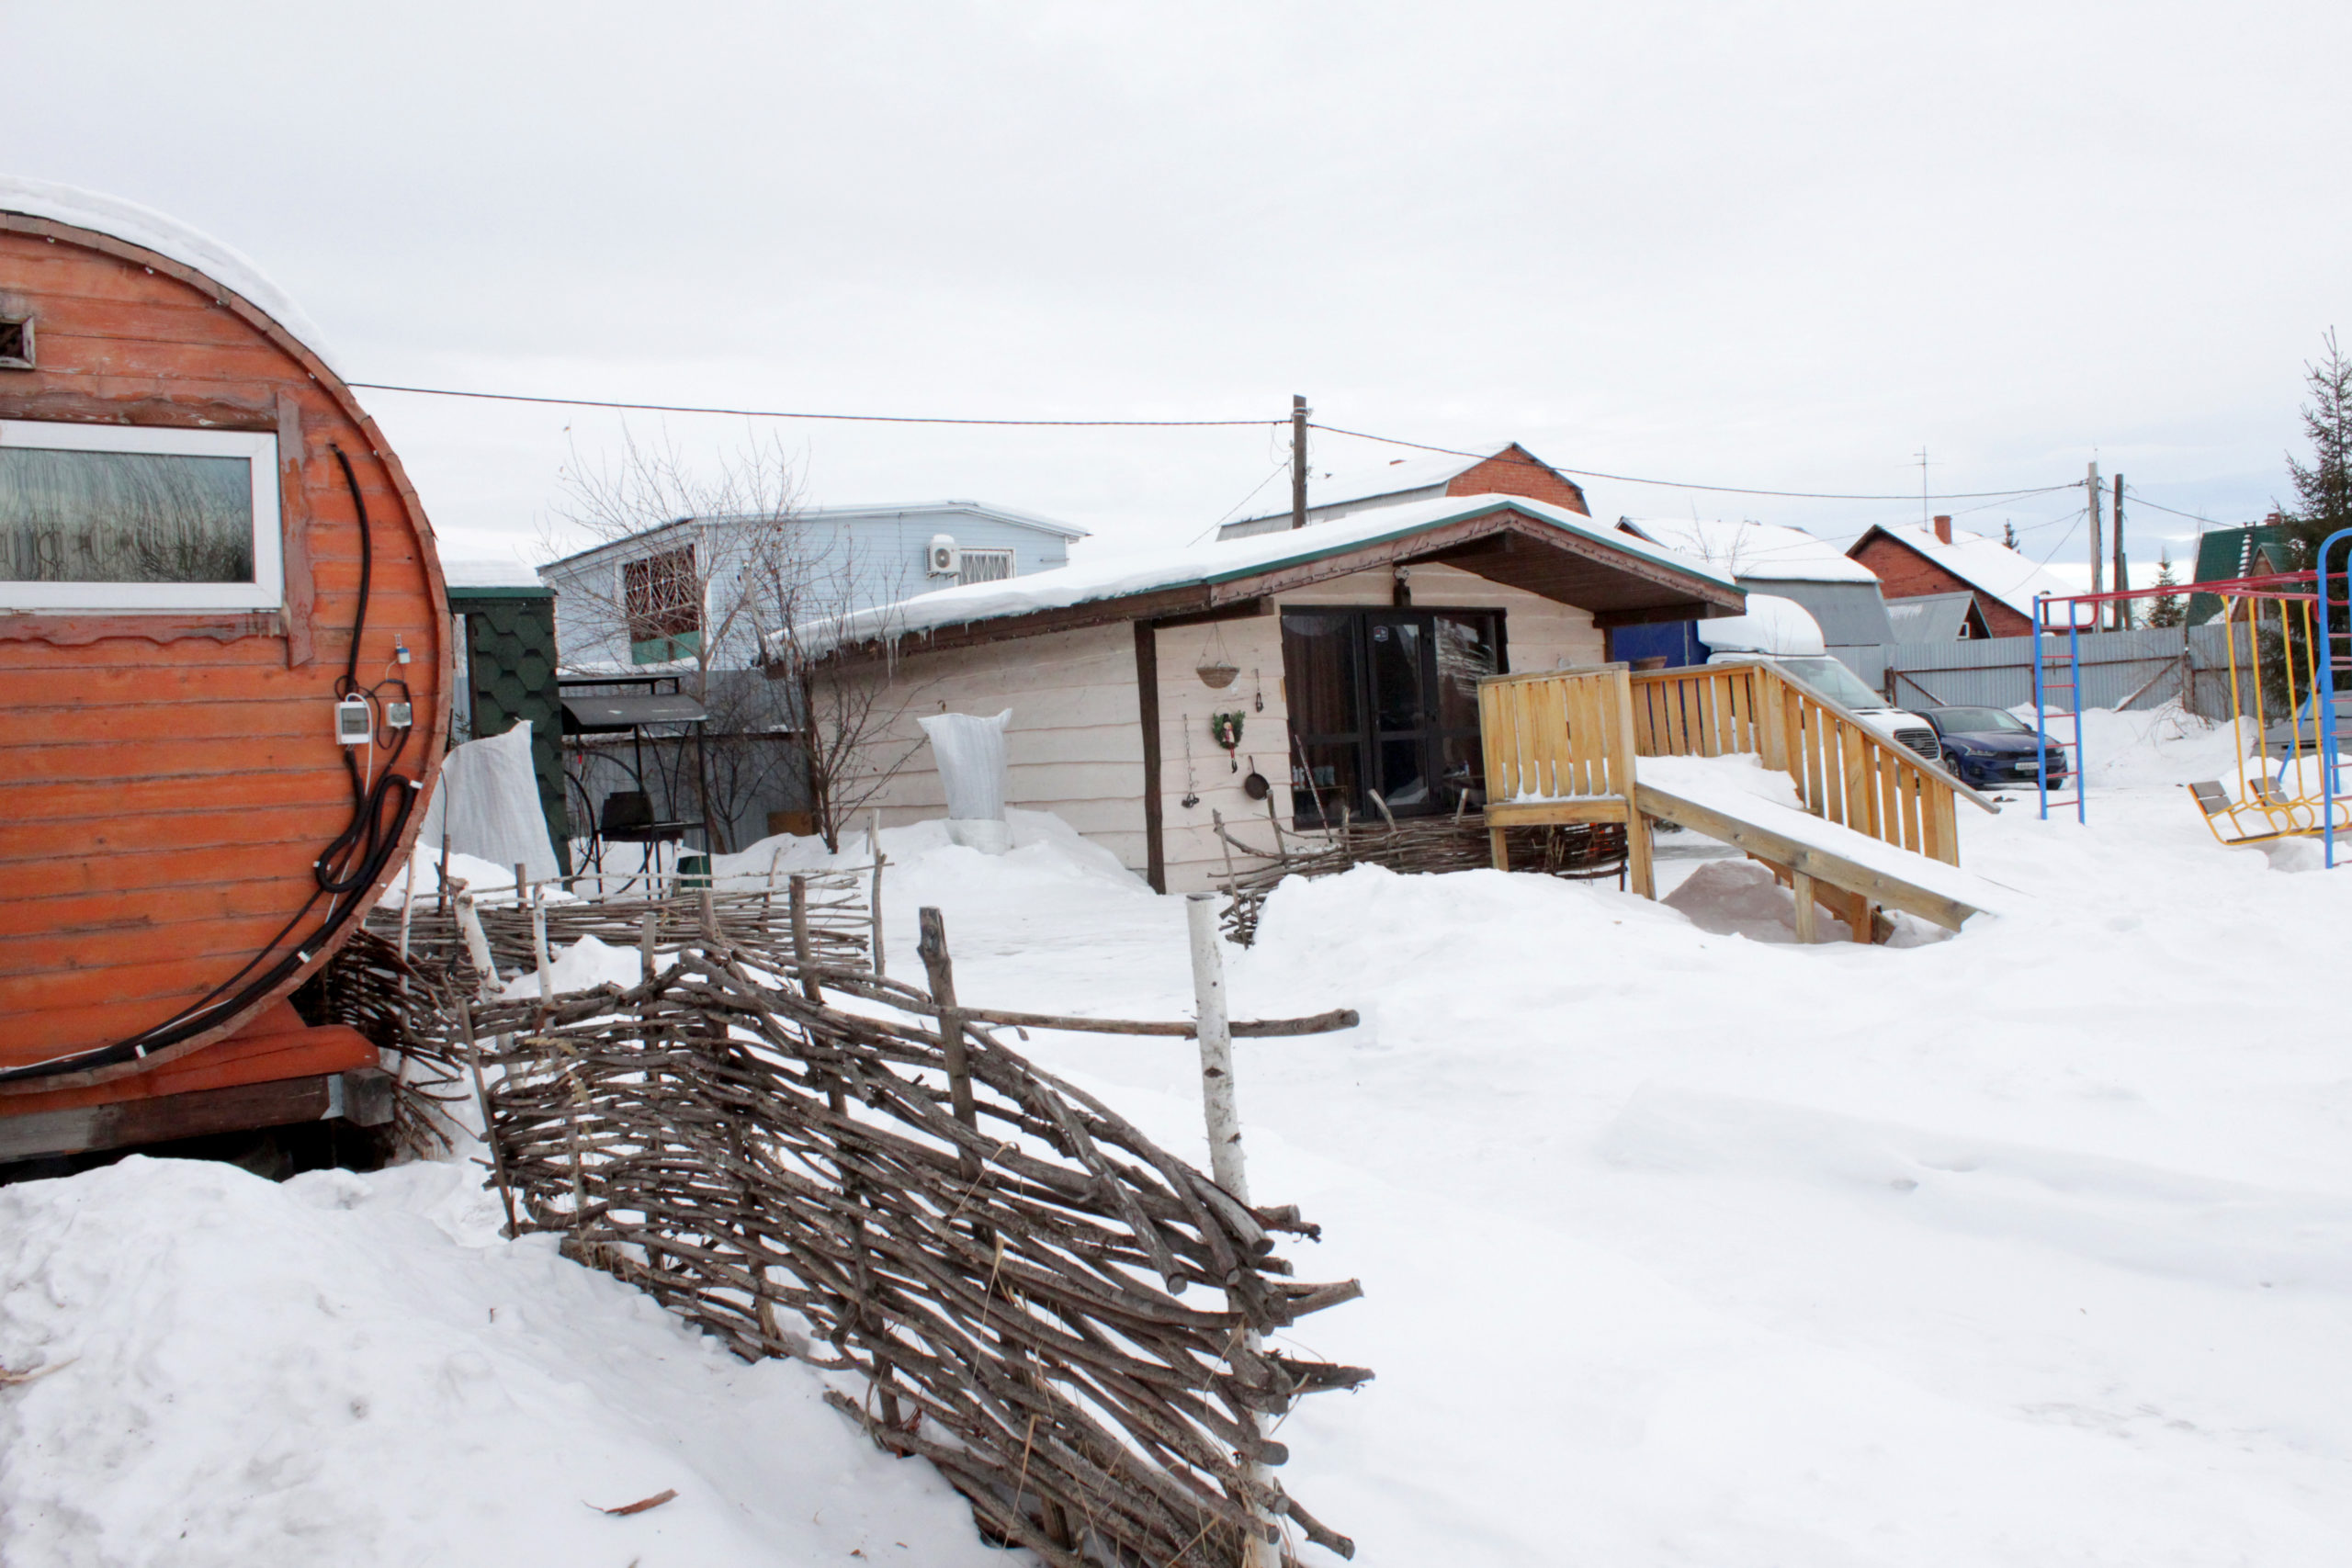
[1385, 700]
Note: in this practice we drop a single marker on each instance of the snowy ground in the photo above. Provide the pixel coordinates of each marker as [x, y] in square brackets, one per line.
[1682, 1244]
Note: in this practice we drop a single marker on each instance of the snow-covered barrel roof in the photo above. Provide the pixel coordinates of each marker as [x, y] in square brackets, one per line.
[1221, 561]
[168, 237]
[1765, 552]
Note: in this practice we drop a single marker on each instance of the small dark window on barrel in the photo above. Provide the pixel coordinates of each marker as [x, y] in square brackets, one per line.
[15, 343]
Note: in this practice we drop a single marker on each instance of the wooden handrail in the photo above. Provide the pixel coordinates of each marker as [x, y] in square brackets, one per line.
[1845, 770]
[1557, 734]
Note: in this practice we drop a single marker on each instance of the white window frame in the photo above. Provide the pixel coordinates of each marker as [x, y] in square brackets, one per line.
[265, 592]
[965, 557]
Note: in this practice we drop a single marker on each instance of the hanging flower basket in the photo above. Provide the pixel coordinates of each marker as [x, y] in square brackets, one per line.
[1218, 676]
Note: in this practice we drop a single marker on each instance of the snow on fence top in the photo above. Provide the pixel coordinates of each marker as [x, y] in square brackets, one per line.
[144, 226]
[1221, 561]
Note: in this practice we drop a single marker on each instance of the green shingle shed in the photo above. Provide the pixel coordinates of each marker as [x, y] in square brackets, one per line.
[510, 674]
[2224, 555]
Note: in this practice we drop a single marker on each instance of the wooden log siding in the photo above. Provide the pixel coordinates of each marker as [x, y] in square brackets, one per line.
[168, 778]
[1844, 771]
[1040, 1301]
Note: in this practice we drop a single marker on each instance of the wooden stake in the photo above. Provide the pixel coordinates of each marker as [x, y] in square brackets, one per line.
[802, 955]
[482, 1100]
[648, 935]
[933, 951]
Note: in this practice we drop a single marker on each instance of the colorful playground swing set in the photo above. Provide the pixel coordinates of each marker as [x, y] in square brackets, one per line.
[2296, 801]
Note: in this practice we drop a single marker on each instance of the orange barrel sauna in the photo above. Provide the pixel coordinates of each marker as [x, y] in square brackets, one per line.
[224, 678]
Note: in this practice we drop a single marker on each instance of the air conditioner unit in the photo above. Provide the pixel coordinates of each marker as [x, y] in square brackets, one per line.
[942, 559]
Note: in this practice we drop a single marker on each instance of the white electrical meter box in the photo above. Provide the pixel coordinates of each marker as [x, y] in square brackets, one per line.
[354, 724]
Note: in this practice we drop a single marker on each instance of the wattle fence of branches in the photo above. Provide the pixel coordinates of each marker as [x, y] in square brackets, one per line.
[1063, 1317]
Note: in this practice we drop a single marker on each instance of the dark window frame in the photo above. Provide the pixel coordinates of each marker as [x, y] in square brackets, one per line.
[1368, 736]
[17, 343]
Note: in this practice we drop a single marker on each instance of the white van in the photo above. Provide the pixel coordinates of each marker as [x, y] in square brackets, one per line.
[1784, 634]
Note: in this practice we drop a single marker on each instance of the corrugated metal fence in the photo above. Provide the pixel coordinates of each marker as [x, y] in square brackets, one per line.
[2121, 670]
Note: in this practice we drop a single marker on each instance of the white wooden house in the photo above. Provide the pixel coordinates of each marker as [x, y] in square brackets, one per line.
[632, 603]
[1354, 648]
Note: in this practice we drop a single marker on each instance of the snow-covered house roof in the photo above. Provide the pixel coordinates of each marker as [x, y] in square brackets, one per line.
[1765, 552]
[146, 227]
[490, 574]
[818, 518]
[1986, 565]
[1447, 522]
[1343, 489]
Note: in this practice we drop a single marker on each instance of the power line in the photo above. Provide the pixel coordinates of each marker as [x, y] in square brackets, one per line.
[2070, 520]
[2134, 493]
[1685, 484]
[1163, 424]
[1278, 466]
[787, 414]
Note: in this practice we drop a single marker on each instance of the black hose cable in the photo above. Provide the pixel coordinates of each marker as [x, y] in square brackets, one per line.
[373, 837]
[350, 683]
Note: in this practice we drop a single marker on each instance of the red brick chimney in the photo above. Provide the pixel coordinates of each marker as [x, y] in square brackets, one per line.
[1943, 530]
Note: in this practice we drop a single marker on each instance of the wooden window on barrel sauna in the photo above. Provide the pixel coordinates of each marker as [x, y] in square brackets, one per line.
[122, 517]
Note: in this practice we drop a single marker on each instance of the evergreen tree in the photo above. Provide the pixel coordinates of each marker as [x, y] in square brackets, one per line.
[2323, 507]
[2324, 488]
[2009, 535]
[2167, 609]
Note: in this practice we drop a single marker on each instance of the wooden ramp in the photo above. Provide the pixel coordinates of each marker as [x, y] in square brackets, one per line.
[1870, 824]
[1813, 855]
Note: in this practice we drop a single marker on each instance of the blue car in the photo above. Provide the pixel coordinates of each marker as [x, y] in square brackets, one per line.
[1992, 747]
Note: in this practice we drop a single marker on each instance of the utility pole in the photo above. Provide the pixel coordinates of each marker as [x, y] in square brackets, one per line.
[1298, 462]
[2123, 566]
[1924, 520]
[2098, 556]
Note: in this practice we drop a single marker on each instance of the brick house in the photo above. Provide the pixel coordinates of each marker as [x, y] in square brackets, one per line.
[1339, 491]
[1914, 563]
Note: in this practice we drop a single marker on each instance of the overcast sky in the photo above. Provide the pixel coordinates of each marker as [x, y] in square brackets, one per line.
[1784, 246]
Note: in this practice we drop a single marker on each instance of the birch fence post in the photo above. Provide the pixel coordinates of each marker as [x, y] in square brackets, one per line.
[1224, 1117]
[540, 943]
[874, 900]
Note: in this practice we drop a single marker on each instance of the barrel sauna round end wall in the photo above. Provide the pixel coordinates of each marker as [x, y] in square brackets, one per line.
[224, 661]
